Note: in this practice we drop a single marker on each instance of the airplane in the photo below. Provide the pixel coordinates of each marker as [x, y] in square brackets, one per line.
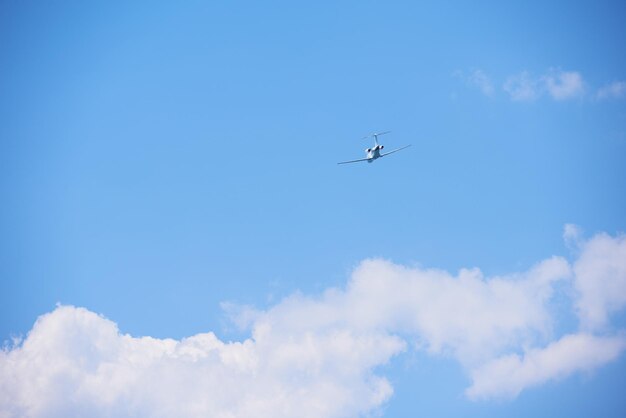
[375, 152]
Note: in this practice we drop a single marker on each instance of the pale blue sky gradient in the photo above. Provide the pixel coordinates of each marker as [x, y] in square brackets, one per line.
[157, 159]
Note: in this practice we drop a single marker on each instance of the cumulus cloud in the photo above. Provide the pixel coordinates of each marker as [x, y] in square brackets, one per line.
[466, 315]
[600, 279]
[508, 375]
[76, 363]
[320, 356]
[615, 90]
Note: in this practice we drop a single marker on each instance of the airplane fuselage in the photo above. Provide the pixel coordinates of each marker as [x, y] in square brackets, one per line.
[373, 153]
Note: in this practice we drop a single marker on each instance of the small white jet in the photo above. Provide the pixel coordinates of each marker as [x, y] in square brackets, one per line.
[374, 152]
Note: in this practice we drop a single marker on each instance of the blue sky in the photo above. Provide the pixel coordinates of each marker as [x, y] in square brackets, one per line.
[159, 162]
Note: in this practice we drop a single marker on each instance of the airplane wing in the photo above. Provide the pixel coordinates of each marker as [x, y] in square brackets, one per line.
[353, 161]
[395, 150]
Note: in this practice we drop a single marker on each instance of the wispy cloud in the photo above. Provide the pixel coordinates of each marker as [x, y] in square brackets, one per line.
[521, 87]
[563, 85]
[572, 235]
[477, 78]
[482, 80]
[615, 90]
[319, 356]
[559, 85]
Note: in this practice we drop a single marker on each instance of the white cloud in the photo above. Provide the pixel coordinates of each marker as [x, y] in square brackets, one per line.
[318, 356]
[477, 78]
[466, 315]
[615, 90]
[572, 236]
[76, 363]
[522, 87]
[559, 85]
[525, 87]
[600, 279]
[563, 85]
[508, 375]
[482, 80]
